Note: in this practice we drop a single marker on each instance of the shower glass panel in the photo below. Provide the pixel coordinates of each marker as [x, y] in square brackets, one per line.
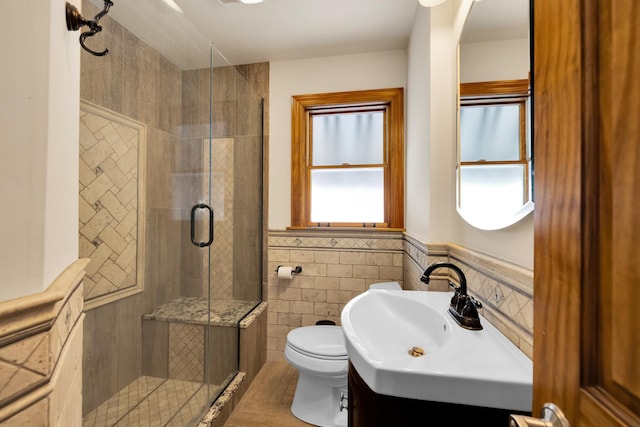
[170, 215]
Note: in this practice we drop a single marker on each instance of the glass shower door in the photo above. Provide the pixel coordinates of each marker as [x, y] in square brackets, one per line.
[171, 194]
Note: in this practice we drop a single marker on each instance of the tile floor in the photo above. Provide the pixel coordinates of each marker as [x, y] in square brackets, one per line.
[267, 402]
[151, 401]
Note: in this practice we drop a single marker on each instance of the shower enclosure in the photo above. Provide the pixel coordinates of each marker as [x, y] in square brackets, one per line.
[171, 215]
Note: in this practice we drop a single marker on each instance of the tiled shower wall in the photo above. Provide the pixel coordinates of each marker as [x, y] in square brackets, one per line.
[137, 82]
[238, 196]
[338, 266]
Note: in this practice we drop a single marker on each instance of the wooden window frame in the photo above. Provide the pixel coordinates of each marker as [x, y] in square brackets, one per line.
[501, 92]
[301, 106]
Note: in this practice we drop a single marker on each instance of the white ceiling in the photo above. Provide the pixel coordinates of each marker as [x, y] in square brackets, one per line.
[492, 20]
[269, 31]
[276, 29]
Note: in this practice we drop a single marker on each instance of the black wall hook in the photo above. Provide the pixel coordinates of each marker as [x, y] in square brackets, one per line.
[75, 21]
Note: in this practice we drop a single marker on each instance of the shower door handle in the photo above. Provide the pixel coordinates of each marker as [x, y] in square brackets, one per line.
[193, 225]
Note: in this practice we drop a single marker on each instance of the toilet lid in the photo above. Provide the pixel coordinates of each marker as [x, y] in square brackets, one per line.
[320, 340]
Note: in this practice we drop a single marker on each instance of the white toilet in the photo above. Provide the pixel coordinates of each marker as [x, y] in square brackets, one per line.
[319, 354]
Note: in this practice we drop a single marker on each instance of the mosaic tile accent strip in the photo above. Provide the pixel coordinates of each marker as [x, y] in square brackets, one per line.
[505, 289]
[416, 261]
[112, 153]
[335, 240]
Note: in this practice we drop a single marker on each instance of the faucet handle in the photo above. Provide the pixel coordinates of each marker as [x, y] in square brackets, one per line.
[475, 302]
[469, 309]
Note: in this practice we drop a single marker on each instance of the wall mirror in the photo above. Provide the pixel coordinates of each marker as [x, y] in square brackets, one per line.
[495, 153]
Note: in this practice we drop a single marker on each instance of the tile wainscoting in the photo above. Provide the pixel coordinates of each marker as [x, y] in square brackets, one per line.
[337, 266]
[41, 354]
[504, 289]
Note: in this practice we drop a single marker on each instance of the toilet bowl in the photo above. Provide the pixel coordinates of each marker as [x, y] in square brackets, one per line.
[319, 354]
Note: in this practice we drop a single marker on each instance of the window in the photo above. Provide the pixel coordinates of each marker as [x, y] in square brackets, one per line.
[494, 158]
[347, 153]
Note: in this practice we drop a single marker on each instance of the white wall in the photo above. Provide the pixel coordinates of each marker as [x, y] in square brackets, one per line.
[428, 70]
[431, 143]
[495, 60]
[317, 75]
[40, 90]
[431, 125]
[419, 122]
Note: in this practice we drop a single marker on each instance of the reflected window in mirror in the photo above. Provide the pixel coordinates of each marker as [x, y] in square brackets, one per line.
[494, 169]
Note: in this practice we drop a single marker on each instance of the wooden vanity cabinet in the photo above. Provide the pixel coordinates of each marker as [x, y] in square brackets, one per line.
[370, 409]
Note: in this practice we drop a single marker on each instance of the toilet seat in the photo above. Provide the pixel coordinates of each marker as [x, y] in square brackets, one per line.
[320, 356]
[320, 342]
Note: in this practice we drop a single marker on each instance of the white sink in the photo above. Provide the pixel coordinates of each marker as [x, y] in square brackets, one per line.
[481, 368]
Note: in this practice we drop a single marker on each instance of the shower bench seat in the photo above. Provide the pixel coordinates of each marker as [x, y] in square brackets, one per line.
[177, 338]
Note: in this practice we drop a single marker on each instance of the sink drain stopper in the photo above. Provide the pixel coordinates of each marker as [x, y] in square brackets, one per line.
[417, 352]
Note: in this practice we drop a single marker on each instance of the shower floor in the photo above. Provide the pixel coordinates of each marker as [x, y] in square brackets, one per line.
[177, 401]
[150, 401]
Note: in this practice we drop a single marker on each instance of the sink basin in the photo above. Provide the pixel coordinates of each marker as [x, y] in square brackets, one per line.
[451, 364]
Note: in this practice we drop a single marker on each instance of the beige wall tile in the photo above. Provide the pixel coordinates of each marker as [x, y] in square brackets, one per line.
[352, 258]
[326, 282]
[367, 271]
[279, 306]
[290, 319]
[301, 256]
[338, 274]
[278, 255]
[377, 258]
[339, 296]
[278, 331]
[314, 269]
[339, 270]
[314, 295]
[48, 364]
[282, 293]
[303, 307]
[326, 309]
[34, 415]
[352, 284]
[391, 273]
[326, 257]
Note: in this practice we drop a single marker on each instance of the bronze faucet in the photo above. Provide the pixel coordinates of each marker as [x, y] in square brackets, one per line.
[463, 307]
